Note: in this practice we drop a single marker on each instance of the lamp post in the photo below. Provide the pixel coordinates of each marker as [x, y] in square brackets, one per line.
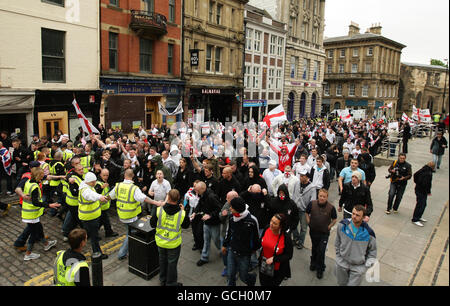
[445, 86]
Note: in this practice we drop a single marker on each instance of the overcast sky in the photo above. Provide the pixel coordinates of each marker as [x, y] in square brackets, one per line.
[423, 26]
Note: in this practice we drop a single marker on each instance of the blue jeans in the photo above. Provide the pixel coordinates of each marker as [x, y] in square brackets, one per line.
[123, 251]
[437, 159]
[71, 220]
[168, 260]
[239, 263]
[210, 232]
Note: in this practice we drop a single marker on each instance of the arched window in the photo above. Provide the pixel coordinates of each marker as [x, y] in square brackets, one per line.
[337, 105]
[302, 105]
[290, 110]
[313, 105]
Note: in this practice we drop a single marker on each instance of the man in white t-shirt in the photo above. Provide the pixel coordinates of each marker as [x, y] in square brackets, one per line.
[270, 174]
[159, 189]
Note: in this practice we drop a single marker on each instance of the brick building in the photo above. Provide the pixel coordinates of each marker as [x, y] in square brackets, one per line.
[140, 61]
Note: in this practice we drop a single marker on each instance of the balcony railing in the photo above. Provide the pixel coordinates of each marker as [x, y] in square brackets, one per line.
[143, 22]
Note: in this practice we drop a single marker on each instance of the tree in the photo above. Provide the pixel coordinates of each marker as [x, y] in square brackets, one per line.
[436, 62]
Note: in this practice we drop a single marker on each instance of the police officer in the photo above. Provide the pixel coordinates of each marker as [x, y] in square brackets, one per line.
[168, 221]
[102, 187]
[129, 198]
[70, 267]
[74, 179]
[89, 210]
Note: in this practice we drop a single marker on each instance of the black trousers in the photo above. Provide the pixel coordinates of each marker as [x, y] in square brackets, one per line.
[405, 145]
[319, 247]
[268, 281]
[91, 228]
[105, 222]
[197, 231]
[421, 204]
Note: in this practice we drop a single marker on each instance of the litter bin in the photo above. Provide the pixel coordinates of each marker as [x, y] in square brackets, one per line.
[143, 254]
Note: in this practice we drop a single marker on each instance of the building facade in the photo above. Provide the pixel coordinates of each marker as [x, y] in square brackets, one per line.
[214, 41]
[264, 63]
[424, 86]
[141, 50]
[362, 71]
[304, 55]
[49, 54]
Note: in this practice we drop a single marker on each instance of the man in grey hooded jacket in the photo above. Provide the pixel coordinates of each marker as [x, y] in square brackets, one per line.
[306, 195]
[356, 248]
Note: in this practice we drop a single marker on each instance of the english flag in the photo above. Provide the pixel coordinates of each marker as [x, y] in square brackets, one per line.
[275, 116]
[85, 124]
[424, 115]
[345, 115]
[406, 118]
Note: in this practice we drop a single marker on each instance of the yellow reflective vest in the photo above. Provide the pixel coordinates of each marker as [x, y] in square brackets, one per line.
[168, 229]
[29, 211]
[105, 192]
[65, 275]
[88, 210]
[127, 206]
[71, 199]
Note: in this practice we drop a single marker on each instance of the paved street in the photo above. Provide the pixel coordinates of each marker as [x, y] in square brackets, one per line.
[408, 254]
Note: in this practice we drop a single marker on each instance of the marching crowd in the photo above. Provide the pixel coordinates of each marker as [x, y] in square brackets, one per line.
[252, 193]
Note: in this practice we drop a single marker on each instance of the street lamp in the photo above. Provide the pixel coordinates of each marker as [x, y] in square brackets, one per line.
[445, 85]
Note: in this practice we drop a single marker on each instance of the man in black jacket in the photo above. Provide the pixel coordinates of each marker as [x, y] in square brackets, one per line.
[367, 166]
[241, 240]
[210, 207]
[400, 172]
[423, 179]
[355, 193]
[258, 203]
[227, 183]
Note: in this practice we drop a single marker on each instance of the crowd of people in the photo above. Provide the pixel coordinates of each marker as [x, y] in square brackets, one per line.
[248, 189]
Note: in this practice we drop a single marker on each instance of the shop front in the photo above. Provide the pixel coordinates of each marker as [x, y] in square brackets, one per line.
[53, 111]
[16, 113]
[254, 109]
[129, 103]
[219, 104]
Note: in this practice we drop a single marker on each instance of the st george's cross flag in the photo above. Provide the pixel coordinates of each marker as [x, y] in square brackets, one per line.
[275, 116]
[84, 122]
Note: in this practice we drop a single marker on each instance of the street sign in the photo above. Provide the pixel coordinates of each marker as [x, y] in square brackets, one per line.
[194, 57]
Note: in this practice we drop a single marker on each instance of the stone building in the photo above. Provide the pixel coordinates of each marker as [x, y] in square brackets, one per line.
[423, 86]
[362, 71]
[264, 63]
[212, 61]
[304, 56]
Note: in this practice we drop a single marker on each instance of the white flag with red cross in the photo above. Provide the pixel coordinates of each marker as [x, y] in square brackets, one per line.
[85, 124]
[275, 116]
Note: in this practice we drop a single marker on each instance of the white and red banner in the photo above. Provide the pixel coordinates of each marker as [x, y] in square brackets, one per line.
[406, 118]
[85, 124]
[421, 115]
[345, 115]
[275, 116]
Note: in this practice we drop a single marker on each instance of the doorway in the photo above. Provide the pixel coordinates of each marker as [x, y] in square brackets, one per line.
[152, 115]
[51, 122]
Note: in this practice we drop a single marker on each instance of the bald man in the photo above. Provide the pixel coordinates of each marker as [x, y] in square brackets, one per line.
[227, 183]
[225, 215]
[208, 205]
[102, 187]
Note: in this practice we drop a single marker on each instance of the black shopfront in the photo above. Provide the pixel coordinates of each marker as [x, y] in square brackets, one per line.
[220, 104]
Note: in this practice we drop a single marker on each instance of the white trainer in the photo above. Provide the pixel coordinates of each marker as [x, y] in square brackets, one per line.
[423, 220]
[50, 244]
[31, 256]
[418, 223]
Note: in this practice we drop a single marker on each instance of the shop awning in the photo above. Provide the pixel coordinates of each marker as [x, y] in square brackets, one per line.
[10, 103]
[378, 104]
[255, 103]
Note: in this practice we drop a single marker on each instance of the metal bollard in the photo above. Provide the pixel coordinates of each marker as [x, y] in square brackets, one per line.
[97, 270]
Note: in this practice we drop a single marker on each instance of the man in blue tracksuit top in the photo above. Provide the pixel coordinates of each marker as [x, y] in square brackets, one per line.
[356, 248]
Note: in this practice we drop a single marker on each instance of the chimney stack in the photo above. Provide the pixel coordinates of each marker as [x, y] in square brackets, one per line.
[353, 29]
[375, 29]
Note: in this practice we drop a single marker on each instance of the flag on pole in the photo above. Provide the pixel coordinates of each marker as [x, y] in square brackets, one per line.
[275, 116]
[415, 113]
[344, 115]
[424, 115]
[85, 124]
